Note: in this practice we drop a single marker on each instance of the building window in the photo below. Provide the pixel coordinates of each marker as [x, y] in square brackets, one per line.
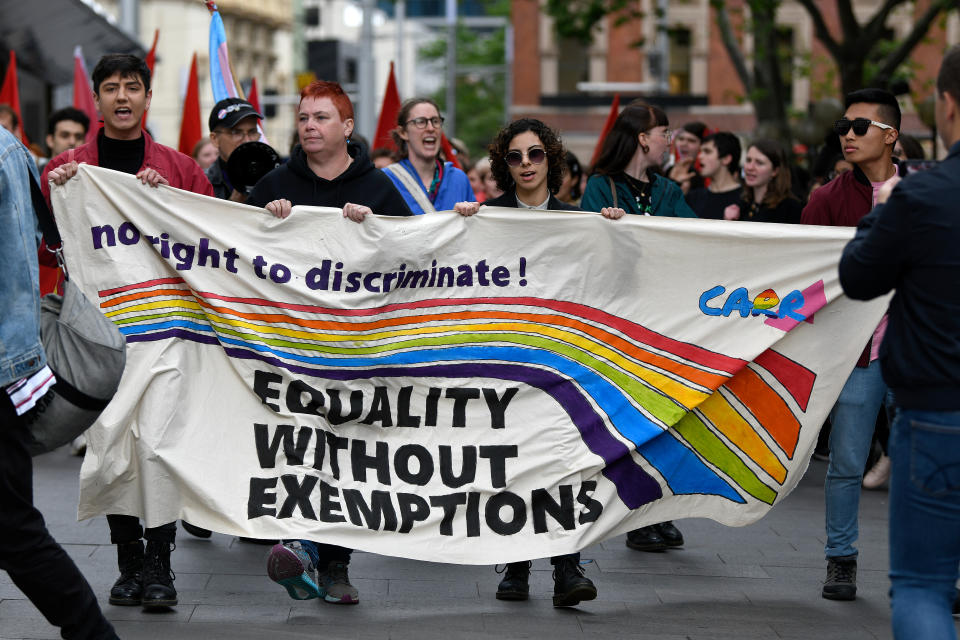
[311, 16]
[573, 64]
[681, 55]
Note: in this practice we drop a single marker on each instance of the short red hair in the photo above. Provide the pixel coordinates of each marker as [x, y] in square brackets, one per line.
[323, 89]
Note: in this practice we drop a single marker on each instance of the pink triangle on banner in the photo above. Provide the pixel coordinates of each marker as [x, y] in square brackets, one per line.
[814, 299]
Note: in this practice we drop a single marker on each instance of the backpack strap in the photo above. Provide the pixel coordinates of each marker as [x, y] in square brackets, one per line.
[613, 191]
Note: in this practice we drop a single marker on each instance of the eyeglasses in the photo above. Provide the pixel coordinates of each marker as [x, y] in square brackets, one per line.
[421, 123]
[239, 134]
[859, 125]
[515, 158]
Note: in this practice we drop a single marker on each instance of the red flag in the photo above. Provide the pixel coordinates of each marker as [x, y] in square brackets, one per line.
[607, 126]
[448, 151]
[10, 94]
[190, 125]
[254, 97]
[83, 95]
[151, 60]
[388, 114]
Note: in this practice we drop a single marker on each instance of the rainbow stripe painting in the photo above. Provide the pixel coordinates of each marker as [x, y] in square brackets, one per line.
[706, 423]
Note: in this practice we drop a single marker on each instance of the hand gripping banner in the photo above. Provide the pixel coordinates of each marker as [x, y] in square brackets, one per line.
[512, 385]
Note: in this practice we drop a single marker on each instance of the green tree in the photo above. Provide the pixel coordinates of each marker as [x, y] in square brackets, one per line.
[864, 53]
[481, 80]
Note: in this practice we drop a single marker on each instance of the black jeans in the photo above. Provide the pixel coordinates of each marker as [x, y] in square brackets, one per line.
[28, 553]
[127, 529]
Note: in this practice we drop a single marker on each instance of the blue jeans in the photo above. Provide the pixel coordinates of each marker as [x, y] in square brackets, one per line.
[853, 420]
[924, 522]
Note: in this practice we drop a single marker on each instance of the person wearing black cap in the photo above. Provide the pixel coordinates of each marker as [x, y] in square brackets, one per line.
[233, 121]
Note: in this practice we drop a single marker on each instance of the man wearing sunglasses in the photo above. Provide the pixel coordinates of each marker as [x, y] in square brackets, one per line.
[868, 132]
[910, 243]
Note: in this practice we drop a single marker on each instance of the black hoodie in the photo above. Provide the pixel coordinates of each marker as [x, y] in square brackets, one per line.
[361, 184]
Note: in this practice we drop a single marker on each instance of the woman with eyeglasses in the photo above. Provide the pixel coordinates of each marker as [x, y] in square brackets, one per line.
[767, 194]
[625, 175]
[426, 182]
[526, 159]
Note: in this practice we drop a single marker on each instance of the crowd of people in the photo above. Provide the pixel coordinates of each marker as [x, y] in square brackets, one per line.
[911, 365]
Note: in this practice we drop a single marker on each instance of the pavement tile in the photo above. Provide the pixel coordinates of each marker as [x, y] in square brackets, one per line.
[231, 614]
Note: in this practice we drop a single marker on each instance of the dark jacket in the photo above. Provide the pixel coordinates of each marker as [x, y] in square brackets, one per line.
[216, 174]
[787, 212]
[509, 199]
[361, 183]
[666, 197]
[910, 244]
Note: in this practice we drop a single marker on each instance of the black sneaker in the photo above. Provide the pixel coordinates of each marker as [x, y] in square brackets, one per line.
[670, 534]
[841, 582]
[646, 539]
[516, 581]
[128, 589]
[570, 586]
[158, 591]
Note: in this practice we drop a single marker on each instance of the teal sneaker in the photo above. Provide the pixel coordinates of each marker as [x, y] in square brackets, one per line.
[290, 566]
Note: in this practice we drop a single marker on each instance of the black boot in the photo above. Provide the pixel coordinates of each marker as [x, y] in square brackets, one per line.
[158, 591]
[516, 582]
[646, 539]
[128, 589]
[570, 586]
[670, 534]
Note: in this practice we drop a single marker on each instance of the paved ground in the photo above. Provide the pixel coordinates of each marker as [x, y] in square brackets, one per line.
[761, 581]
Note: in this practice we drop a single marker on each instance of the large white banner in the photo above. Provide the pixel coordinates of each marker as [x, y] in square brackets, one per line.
[475, 390]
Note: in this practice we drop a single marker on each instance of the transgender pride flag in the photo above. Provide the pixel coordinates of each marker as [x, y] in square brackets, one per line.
[221, 73]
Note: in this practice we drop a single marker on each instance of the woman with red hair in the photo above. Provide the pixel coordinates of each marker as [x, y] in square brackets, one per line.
[325, 170]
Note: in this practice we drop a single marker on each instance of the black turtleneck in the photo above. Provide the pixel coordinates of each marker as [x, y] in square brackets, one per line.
[121, 155]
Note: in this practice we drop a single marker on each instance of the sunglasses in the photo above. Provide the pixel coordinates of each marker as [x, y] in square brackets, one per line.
[515, 158]
[859, 126]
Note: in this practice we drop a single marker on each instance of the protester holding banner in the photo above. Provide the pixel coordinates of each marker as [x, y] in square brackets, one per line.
[426, 183]
[28, 553]
[767, 193]
[624, 175]
[325, 170]
[720, 162]
[527, 159]
[122, 90]
[868, 132]
[910, 243]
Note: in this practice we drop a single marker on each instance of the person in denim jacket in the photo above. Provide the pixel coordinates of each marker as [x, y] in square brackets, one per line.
[28, 553]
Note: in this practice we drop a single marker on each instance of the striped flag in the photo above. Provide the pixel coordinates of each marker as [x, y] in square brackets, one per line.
[221, 73]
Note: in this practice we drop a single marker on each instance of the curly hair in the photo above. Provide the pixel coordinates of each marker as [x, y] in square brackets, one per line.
[551, 144]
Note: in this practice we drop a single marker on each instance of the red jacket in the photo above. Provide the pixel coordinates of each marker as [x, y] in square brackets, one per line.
[181, 171]
[842, 202]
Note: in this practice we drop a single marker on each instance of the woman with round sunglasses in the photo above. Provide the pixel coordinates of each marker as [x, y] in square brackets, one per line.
[425, 181]
[625, 175]
[526, 159]
[767, 194]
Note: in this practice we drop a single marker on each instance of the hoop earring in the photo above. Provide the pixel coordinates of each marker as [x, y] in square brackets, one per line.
[645, 148]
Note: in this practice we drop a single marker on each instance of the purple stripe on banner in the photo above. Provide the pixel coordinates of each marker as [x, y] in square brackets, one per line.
[635, 487]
